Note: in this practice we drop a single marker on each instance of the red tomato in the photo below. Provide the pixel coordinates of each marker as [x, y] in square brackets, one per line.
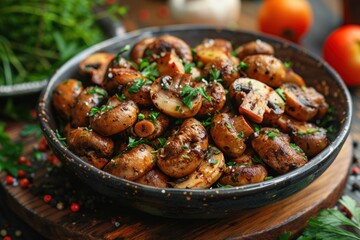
[289, 19]
[342, 51]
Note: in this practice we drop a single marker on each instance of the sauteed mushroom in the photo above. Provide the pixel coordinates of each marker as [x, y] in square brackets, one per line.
[254, 48]
[139, 92]
[217, 99]
[90, 97]
[64, 97]
[151, 124]
[170, 64]
[166, 94]
[266, 69]
[114, 117]
[207, 173]
[116, 78]
[184, 151]
[244, 171]
[154, 178]
[137, 52]
[274, 148]
[95, 66]
[90, 146]
[132, 164]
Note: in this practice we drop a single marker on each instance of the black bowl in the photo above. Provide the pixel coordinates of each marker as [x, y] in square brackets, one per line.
[209, 203]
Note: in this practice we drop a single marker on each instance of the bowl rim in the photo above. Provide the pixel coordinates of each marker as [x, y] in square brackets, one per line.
[294, 175]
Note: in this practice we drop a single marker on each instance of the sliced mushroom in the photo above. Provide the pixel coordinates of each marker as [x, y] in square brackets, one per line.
[132, 164]
[242, 127]
[166, 94]
[137, 52]
[274, 148]
[207, 173]
[166, 43]
[116, 78]
[170, 64]
[266, 69]
[154, 178]
[114, 118]
[139, 92]
[220, 43]
[309, 137]
[226, 137]
[90, 146]
[90, 97]
[304, 103]
[184, 151]
[244, 171]
[151, 125]
[255, 99]
[95, 65]
[217, 100]
[292, 77]
[64, 97]
[254, 48]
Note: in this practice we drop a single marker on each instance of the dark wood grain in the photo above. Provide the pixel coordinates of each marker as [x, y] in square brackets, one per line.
[290, 214]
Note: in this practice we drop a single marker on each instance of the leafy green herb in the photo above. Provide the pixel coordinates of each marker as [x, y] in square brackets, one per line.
[204, 94]
[177, 108]
[241, 134]
[298, 149]
[230, 163]
[162, 142]
[309, 131]
[219, 185]
[217, 152]
[96, 90]
[330, 223]
[123, 50]
[95, 110]
[185, 156]
[268, 178]
[285, 236]
[141, 116]
[134, 143]
[188, 67]
[287, 64]
[200, 64]
[121, 97]
[149, 70]
[271, 135]
[256, 127]
[207, 122]
[9, 153]
[188, 94]
[228, 126]
[186, 146]
[213, 161]
[138, 83]
[280, 92]
[61, 139]
[243, 65]
[153, 116]
[214, 74]
[256, 159]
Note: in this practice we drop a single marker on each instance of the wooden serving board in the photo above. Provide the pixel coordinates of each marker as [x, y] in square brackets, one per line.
[115, 222]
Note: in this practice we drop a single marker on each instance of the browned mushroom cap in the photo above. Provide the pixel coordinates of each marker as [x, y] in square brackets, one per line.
[95, 65]
[243, 171]
[292, 77]
[217, 43]
[254, 48]
[309, 137]
[90, 146]
[64, 97]
[133, 164]
[226, 137]
[228, 72]
[167, 93]
[184, 151]
[154, 178]
[139, 92]
[208, 172]
[137, 52]
[304, 103]
[255, 99]
[165, 44]
[170, 64]
[274, 148]
[151, 124]
[116, 78]
[114, 117]
[90, 97]
[266, 69]
[217, 100]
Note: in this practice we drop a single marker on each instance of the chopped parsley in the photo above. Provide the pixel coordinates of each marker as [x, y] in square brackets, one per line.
[123, 50]
[94, 110]
[162, 142]
[153, 116]
[213, 161]
[219, 185]
[298, 149]
[215, 74]
[256, 159]
[177, 108]
[61, 139]
[185, 156]
[309, 131]
[268, 178]
[257, 128]
[207, 122]
[271, 135]
[280, 92]
[230, 164]
[96, 90]
[186, 146]
[241, 134]
[188, 67]
[134, 143]
[200, 64]
[141, 116]
[287, 64]
[138, 83]
[121, 97]
[188, 94]
[243, 66]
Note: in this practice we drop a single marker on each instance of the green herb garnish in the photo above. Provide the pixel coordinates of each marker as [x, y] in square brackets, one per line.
[280, 92]
[287, 64]
[243, 65]
[241, 134]
[188, 67]
[188, 94]
[95, 110]
[138, 83]
[214, 74]
[213, 161]
[153, 116]
[134, 143]
[123, 50]
[96, 90]
[141, 116]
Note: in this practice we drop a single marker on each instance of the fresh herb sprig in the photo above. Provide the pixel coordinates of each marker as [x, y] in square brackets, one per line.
[188, 94]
